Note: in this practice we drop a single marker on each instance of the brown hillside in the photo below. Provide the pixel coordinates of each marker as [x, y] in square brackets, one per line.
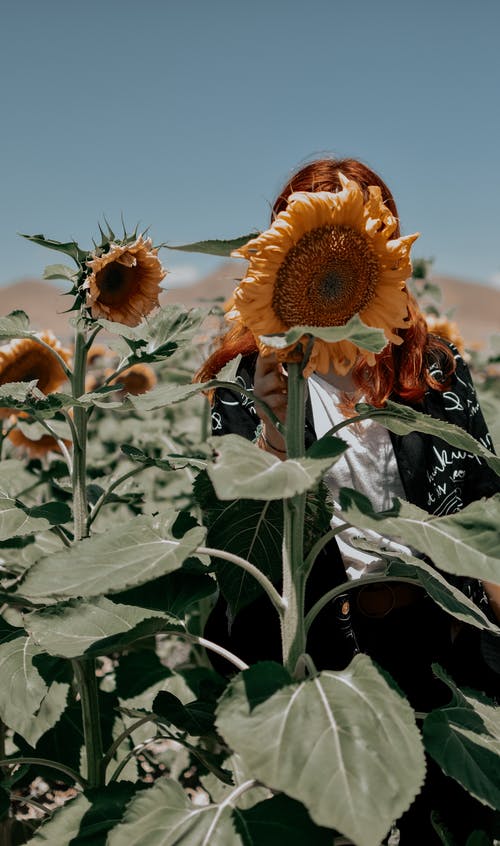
[476, 307]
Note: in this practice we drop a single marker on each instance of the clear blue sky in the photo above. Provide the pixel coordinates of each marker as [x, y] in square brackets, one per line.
[188, 115]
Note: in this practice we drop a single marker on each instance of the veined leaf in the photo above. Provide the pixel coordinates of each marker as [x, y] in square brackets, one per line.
[354, 330]
[77, 627]
[216, 247]
[52, 706]
[123, 557]
[15, 325]
[401, 419]
[219, 791]
[356, 762]
[252, 529]
[164, 816]
[466, 543]
[14, 477]
[164, 395]
[22, 688]
[15, 522]
[261, 475]
[60, 271]
[464, 739]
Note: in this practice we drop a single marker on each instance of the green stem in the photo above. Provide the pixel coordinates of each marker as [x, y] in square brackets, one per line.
[322, 542]
[105, 495]
[123, 736]
[80, 442]
[254, 571]
[84, 669]
[293, 633]
[44, 762]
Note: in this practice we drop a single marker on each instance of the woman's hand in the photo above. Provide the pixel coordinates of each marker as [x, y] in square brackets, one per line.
[270, 385]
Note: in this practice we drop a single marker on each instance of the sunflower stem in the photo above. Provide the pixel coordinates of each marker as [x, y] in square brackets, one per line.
[80, 440]
[86, 680]
[293, 634]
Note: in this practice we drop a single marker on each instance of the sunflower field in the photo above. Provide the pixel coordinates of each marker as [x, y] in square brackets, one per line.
[121, 520]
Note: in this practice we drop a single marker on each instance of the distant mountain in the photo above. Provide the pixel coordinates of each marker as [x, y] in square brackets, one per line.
[476, 307]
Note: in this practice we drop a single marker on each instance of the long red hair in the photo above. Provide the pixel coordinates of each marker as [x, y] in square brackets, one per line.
[399, 370]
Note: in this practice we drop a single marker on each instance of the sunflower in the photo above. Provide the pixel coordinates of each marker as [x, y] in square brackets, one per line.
[31, 446]
[327, 257]
[138, 379]
[124, 283]
[25, 360]
[446, 329]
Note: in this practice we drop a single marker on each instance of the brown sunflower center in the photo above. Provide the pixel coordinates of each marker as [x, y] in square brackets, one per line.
[328, 276]
[116, 282]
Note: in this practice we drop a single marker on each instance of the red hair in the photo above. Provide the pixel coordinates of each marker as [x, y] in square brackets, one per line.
[399, 370]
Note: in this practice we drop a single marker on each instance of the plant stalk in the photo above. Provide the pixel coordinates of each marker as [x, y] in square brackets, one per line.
[80, 441]
[293, 633]
[84, 669]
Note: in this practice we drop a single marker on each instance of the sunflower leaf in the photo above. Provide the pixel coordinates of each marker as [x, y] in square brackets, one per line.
[464, 739]
[360, 735]
[401, 419]
[120, 558]
[261, 475]
[78, 627]
[22, 688]
[70, 248]
[16, 522]
[15, 325]
[216, 247]
[466, 543]
[354, 331]
[60, 271]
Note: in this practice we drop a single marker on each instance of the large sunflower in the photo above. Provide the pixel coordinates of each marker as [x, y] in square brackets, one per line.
[34, 447]
[124, 283]
[25, 360]
[327, 257]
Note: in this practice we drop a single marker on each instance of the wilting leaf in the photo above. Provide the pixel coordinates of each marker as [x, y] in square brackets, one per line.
[401, 419]
[216, 247]
[60, 271]
[70, 248]
[464, 739]
[466, 543]
[72, 628]
[356, 762]
[261, 475]
[22, 688]
[354, 330]
[122, 557]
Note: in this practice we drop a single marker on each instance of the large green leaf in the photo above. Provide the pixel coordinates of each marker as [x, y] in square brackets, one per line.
[64, 825]
[22, 688]
[281, 820]
[123, 557]
[216, 247]
[252, 529]
[344, 744]
[15, 522]
[15, 325]
[401, 419]
[446, 595]
[164, 395]
[52, 706]
[241, 469]
[14, 477]
[466, 543]
[219, 791]
[76, 627]
[164, 816]
[107, 809]
[464, 739]
[354, 330]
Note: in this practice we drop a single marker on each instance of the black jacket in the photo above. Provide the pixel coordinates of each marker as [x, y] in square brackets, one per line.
[435, 476]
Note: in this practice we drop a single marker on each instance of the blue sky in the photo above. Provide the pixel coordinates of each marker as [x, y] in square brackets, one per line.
[188, 115]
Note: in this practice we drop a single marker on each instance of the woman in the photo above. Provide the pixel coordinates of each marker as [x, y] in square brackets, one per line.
[398, 626]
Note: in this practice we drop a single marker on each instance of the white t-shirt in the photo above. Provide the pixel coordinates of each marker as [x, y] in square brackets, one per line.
[369, 466]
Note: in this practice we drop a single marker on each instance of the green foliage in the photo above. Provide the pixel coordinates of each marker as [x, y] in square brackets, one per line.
[104, 564]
